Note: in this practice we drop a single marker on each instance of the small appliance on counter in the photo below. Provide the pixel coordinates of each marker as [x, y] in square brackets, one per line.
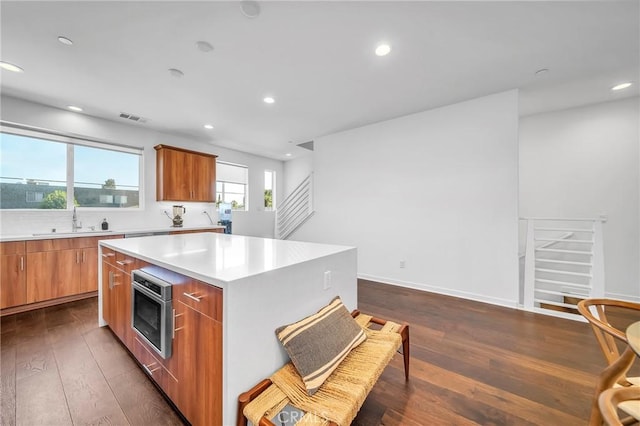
[178, 212]
[224, 216]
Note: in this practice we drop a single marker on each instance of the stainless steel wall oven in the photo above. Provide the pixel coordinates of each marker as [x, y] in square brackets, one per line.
[151, 311]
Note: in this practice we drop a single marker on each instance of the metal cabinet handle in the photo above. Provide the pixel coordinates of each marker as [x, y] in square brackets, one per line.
[22, 263]
[110, 280]
[84, 256]
[108, 254]
[173, 333]
[192, 297]
[124, 262]
[77, 257]
[148, 370]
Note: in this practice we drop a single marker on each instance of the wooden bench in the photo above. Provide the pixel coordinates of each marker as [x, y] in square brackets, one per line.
[339, 399]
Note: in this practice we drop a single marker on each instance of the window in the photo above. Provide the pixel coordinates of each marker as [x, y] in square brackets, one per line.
[231, 185]
[34, 197]
[269, 190]
[38, 170]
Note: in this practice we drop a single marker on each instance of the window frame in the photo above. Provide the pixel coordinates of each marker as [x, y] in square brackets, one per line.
[246, 186]
[71, 139]
[274, 204]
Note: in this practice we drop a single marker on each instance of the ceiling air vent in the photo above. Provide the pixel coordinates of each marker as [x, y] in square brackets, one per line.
[133, 117]
[306, 145]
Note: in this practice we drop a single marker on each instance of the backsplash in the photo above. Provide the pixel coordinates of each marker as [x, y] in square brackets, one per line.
[27, 222]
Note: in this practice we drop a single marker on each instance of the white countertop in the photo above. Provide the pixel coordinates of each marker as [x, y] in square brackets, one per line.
[99, 233]
[221, 258]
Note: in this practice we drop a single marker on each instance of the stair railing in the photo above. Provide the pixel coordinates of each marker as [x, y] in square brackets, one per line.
[296, 209]
[564, 263]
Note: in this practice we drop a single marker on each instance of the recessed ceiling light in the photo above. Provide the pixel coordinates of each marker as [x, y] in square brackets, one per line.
[621, 86]
[250, 8]
[176, 72]
[204, 46]
[208, 126]
[10, 67]
[288, 154]
[269, 100]
[383, 49]
[74, 108]
[64, 40]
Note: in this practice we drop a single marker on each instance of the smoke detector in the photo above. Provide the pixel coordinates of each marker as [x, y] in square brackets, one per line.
[250, 8]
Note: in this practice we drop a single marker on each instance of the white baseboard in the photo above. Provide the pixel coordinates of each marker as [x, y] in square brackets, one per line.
[443, 290]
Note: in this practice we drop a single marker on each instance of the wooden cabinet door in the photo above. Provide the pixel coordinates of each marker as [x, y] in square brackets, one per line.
[13, 290]
[119, 307]
[183, 175]
[67, 278]
[89, 270]
[204, 178]
[198, 344]
[174, 175]
[53, 274]
[107, 277]
[123, 307]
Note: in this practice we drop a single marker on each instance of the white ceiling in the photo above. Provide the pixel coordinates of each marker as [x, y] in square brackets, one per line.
[315, 58]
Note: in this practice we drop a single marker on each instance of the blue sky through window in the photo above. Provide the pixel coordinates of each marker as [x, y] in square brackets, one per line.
[23, 158]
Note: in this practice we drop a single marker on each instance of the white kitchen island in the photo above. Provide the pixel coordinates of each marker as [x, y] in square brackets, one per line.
[265, 283]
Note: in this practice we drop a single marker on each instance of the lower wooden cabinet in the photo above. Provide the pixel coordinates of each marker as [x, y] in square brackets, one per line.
[13, 274]
[116, 302]
[52, 274]
[192, 376]
[197, 231]
[41, 271]
[198, 346]
[154, 368]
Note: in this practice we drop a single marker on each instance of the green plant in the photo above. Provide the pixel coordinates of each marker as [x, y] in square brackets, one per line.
[268, 198]
[56, 200]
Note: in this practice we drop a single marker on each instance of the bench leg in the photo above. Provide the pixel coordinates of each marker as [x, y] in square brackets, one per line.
[404, 333]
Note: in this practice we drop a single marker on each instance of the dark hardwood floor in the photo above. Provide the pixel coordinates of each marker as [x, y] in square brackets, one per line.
[59, 368]
[471, 364]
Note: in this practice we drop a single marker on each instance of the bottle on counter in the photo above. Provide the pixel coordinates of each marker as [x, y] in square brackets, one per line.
[105, 224]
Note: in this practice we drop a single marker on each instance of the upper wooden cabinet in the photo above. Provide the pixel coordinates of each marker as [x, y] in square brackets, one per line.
[183, 175]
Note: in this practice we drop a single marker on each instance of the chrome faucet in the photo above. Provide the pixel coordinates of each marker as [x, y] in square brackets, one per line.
[75, 225]
[207, 213]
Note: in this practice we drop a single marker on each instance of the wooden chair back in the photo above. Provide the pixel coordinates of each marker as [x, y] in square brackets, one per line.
[606, 334]
[609, 400]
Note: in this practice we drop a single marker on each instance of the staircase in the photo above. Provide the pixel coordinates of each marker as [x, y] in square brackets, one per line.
[564, 263]
[295, 209]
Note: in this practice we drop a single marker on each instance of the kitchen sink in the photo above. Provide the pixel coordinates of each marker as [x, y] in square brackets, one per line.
[97, 231]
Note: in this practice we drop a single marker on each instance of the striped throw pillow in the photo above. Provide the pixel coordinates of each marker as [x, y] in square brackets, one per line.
[318, 343]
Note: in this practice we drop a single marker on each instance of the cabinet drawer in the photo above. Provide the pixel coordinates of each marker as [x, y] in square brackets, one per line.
[125, 262]
[202, 297]
[153, 368]
[108, 255]
[12, 247]
[50, 245]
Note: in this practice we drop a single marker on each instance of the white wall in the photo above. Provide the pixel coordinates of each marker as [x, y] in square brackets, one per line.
[255, 222]
[295, 171]
[437, 189]
[584, 162]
